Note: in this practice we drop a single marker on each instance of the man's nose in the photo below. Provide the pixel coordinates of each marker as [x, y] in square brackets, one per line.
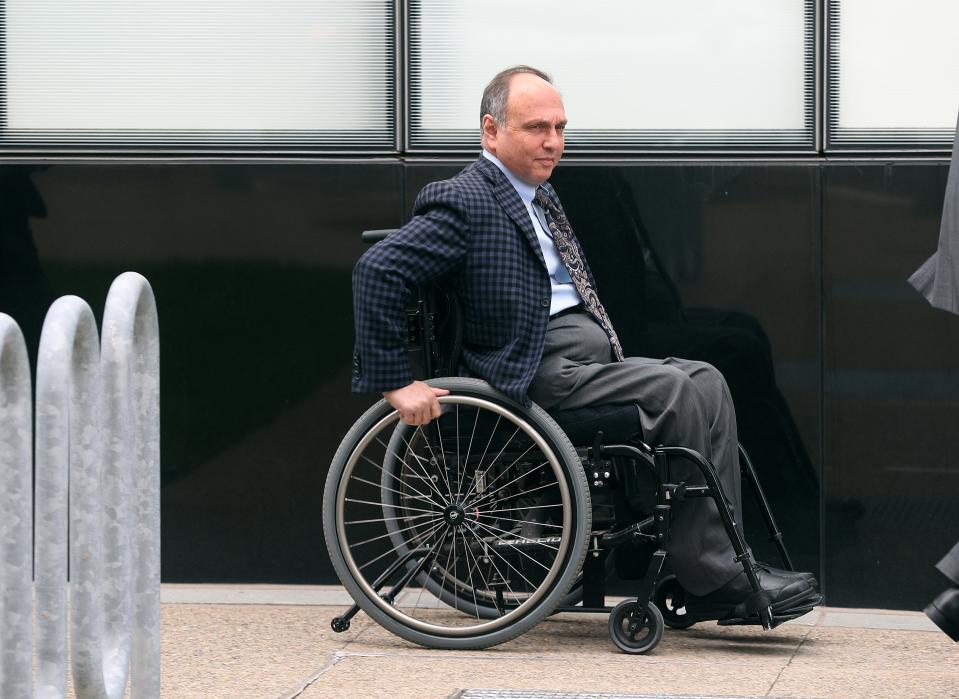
[553, 139]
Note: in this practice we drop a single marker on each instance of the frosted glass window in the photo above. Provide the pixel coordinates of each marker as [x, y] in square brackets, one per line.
[686, 74]
[198, 74]
[893, 73]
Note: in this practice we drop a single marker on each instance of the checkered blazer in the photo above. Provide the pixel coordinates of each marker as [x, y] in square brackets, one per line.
[475, 231]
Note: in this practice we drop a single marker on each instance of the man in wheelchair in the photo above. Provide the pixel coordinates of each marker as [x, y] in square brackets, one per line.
[535, 330]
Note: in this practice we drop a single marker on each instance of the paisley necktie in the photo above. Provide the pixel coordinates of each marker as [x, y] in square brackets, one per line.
[562, 235]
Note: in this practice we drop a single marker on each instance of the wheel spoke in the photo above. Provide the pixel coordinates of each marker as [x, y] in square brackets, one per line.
[384, 519]
[402, 544]
[459, 463]
[398, 507]
[513, 546]
[512, 495]
[513, 463]
[417, 458]
[392, 475]
[388, 534]
[439, 545]
[495, 514]
[518, 536]
[493, 460]
[469, 574]
[485, 451]
[442, 469]
[496, 568]
[465, 464]
[391, 490]
[446, 568]
[510, 565]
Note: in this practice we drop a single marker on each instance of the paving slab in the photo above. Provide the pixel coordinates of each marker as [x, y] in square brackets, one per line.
[241, 652]
[286, 651]
[426, 676]
[894, 664]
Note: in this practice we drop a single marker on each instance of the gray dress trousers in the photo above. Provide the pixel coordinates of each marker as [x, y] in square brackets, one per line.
[938, 277]
[681, 403]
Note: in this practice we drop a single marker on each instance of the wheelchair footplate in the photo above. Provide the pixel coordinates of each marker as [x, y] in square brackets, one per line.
[777, 618]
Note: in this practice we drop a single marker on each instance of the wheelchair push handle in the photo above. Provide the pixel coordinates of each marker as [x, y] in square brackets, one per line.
[370, 237]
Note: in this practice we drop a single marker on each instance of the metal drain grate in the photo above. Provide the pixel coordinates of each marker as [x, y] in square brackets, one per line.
[553, 694]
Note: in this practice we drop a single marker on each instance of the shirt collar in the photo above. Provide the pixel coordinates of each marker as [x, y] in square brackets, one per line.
[526, 192]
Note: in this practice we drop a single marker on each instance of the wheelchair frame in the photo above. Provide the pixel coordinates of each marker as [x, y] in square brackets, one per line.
[635, 625]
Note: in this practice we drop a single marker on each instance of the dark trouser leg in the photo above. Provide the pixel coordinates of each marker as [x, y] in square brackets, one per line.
[681, 403]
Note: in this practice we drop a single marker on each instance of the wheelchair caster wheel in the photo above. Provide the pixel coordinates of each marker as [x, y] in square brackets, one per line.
[670, 597]
[339, 625]
[635, 628]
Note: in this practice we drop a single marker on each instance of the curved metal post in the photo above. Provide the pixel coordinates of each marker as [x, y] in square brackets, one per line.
[16, 604]
[66, 441]
[115, 590]
[97, 463]
[130, 414]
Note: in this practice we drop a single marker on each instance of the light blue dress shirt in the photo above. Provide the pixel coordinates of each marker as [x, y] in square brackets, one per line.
[564, 294]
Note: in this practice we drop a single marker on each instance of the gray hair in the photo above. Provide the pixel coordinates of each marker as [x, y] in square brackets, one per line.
[496, 94]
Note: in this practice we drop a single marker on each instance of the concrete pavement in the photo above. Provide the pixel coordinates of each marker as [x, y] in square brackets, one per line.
[273, 642]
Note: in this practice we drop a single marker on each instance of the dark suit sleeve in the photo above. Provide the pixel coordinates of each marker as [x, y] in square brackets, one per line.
[432, 245]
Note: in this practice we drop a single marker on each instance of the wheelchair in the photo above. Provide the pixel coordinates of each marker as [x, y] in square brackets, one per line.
[467, 532]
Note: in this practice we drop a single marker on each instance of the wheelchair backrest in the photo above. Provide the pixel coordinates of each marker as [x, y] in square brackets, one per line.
[434, 324]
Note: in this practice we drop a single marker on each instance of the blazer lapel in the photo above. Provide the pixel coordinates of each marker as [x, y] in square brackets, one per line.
[506, 196]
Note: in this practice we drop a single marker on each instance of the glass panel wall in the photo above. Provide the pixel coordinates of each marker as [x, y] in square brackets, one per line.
[688, 75]
[892, 74]
[183, 76]
[198, 74]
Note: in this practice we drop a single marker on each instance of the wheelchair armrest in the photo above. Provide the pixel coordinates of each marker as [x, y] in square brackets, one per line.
[370, 237]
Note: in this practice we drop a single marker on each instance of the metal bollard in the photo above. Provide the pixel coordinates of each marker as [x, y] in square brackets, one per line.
[97, 450]
[66, 448]
[115, 595]
[130, 426]
[15, 513]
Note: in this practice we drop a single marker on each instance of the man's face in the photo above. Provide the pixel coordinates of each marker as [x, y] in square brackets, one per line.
[530, 143]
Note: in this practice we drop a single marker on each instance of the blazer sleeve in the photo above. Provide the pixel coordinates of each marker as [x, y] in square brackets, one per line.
[432, 245]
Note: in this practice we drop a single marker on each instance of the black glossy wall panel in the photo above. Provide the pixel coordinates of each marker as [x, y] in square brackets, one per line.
[891, 388]
[740, 245]
[784, 273]
[251, 268]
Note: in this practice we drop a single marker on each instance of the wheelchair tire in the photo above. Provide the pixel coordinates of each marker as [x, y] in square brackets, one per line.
[486, 509]
[670, 597]
[635, 628]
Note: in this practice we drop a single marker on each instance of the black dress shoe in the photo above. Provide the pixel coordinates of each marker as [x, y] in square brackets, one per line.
[729, 601]
[792, 574]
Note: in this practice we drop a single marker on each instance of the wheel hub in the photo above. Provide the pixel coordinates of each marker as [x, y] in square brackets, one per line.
[454, 515]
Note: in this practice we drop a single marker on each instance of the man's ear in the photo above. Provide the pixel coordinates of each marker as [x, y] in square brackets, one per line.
[490, 130]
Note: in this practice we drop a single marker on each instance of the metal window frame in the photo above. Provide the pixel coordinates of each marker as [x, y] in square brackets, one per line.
[10, 152]
[834, 143]
[3, 70]
[821, 18]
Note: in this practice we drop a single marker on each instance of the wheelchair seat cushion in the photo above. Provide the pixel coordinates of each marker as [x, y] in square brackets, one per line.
[619, 423]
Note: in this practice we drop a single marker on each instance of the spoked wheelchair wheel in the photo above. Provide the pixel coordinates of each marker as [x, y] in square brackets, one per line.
[463, 533]
[670, 597]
